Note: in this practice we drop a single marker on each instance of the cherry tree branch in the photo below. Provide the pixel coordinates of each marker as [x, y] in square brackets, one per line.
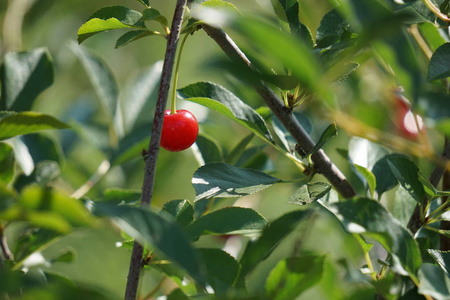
[151, 156]
[305, 143]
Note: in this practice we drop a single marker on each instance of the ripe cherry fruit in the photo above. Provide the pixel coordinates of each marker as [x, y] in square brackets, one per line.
[179, 130]
[406, 120]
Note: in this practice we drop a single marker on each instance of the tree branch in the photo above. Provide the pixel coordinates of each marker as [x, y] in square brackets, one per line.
[151, 156]
[321, 161]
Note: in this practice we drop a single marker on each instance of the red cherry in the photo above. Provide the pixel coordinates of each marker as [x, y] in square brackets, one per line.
[179, 130]
[405, 119]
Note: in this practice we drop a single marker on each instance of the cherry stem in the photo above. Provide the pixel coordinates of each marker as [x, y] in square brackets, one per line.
[173, 109]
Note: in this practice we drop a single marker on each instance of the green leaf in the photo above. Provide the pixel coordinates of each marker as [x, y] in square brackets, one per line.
[330, 132]
[108, 18]
[146, 3]
[408, 175]
[310, 192]
[221, 269]
[385, 178]
[101, 78]
[432, 35]
[137, 101]
[365, 153]
[292, 276]
[209, 150]
[153, 14]
[369, 217]
[223, 101]
[224, 180]
[158, 230]
[434, 282]
[22, 155]
[366, 247]
[181, 210]
[239, 149]
[404, 205]
[369, 176]
[289, 13]
[227, 221]
[34, 239]
[330, 29]
[43, 147]
[6, 163]
[24, 75]
[439, 67]
[283, 134]
[442, 258]
[132, 36]
[274, 233]
[14, 124]
[416, 12]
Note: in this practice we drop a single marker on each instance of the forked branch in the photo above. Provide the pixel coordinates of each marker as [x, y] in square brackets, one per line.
[321, 161]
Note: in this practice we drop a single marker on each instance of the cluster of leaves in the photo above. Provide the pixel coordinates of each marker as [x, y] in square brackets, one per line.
[301, 66]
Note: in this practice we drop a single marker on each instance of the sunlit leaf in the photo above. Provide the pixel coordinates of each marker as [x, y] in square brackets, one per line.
[14, 124]
[108, 18]
[224, 180]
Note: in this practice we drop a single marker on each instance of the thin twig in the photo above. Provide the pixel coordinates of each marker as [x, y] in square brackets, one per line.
[102, 169]
[321, 161]
[136, 263]
[7, 254]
